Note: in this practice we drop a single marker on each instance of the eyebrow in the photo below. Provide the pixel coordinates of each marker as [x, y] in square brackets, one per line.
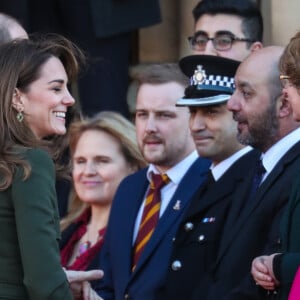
[243, 84]
[156, 112]
[200, 32]
[61, 81]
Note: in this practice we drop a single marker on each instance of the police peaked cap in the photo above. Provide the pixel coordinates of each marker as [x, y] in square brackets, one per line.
[211, 79]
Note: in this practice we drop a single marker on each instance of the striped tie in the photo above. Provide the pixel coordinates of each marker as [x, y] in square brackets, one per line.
[150, 215]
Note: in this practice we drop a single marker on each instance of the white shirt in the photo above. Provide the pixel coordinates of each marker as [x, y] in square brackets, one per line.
[223, 166]
[278, 150]
[175, 174]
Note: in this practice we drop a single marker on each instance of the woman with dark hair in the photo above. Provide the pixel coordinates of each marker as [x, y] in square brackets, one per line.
[34, 100]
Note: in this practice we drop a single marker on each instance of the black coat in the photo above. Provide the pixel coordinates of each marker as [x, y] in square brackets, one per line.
[252, 229]
[197, 239]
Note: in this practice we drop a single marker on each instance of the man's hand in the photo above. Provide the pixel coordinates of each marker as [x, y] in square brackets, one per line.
[262, 272]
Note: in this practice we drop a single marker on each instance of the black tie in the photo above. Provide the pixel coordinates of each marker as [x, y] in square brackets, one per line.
[258, 175]
[209, 179]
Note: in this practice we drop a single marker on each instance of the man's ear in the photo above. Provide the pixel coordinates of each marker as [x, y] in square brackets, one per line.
[17, 102]
[256, 46]
[284, 107]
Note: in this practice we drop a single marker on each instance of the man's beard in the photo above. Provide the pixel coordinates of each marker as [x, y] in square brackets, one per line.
[264, 130]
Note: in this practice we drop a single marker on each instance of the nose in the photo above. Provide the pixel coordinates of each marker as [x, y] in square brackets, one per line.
[150, 124]
[89, 168]
[197, 122]
[233, 103]
[284, 92]
[210, 49]
[68, 99]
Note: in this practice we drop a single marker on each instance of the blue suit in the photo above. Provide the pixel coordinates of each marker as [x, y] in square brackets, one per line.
[116, 257]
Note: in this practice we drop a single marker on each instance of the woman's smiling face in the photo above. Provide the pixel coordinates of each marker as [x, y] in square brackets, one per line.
[47, 99]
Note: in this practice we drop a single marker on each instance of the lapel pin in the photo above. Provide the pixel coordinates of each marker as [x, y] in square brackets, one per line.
[177, 205]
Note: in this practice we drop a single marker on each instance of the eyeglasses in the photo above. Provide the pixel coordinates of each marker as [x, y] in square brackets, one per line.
[285, 80]
[222, 41]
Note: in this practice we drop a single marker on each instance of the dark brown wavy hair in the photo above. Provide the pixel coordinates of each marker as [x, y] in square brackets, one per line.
[289, 63]
[20, 65]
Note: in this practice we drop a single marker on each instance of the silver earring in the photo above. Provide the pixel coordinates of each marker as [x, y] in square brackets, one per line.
[20, 116]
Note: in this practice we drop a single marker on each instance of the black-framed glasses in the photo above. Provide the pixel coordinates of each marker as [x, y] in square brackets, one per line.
[285, 80]
[222, 41]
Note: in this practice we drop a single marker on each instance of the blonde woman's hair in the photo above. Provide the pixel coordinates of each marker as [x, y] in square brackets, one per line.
[122, 130]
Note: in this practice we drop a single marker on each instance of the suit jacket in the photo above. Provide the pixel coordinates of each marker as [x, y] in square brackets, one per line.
[29, 229]
[252, 229]
[116, 256]
[195, 248]
[113, 17]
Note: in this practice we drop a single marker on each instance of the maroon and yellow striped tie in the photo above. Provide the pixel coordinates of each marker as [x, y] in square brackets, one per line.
[150, 215]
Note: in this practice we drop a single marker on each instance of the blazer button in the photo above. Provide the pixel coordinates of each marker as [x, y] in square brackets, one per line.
[126, 296]
[188, 226]
[201, 238]
[176, 265]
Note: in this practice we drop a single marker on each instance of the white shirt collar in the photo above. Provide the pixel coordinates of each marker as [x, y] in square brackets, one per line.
[279, 149]
[223, 166]
[178, 171]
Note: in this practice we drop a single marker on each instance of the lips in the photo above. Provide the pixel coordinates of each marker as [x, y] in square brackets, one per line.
[152, 141]
[200, 139]
[60, 114]
[90, 183]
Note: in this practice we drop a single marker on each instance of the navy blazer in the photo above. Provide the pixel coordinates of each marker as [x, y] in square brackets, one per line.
[116, 256]
[252, 229]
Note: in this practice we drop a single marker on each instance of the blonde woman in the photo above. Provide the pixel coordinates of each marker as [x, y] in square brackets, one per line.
[103, 152]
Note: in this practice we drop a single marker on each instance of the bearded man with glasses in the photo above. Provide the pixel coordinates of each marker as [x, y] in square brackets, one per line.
[228, 28]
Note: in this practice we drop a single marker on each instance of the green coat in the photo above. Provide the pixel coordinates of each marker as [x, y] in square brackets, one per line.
[290, 242]
[29, 231]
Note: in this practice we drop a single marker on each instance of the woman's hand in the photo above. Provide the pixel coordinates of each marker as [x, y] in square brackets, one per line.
[80, 287]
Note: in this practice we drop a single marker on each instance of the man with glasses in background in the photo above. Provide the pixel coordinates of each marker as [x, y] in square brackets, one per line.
[228, 28]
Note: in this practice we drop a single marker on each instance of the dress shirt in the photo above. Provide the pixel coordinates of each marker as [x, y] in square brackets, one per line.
[278, 150]
[223, 166]
[175, 174]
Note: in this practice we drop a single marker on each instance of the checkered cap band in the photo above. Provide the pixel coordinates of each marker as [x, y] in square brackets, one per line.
[214, 81]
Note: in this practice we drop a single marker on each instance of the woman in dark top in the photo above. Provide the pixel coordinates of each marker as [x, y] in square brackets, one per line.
[34, 99]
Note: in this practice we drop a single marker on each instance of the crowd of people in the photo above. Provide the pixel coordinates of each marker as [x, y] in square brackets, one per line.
[198, 199]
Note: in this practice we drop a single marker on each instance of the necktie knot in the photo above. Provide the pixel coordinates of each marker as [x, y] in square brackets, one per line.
[260, 169]
[258, 175]
[210, 178]
[158, 181]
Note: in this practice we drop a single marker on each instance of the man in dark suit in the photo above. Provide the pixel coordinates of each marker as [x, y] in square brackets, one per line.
[265, 121]
[214, 132]
[165, 141]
